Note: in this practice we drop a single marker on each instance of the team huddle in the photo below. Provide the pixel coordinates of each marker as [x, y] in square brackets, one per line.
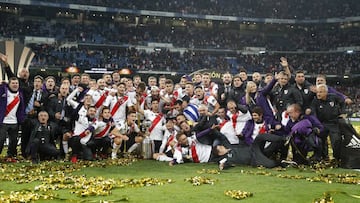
[237, 121]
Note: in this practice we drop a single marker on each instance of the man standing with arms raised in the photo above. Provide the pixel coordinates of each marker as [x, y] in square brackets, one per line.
[12, 113]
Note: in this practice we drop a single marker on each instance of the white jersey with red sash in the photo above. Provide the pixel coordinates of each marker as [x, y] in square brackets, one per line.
[239, 120]
[229, 131]
[197, 152]
[172, 97]
[211, 90]
[81, 125]
[82, 111]
[132, 96]
[13, 101]
[118, 106]
[147, 102]
[169, 136]
[98, 96]
[101, 128]
[259, 128]
[209, 101]
[180, 92]
[143, 100]
[284, 118]
[156, 128]
[200, 153]
[234, 126]
[126, 129]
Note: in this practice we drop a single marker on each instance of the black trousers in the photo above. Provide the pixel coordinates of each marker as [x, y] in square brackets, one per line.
[126, 144]
[100, 144]
[26, 128]
[257, 150]
[214, 138]
[335, 138]
[80, 150]
[157, 144]
[12, 132]
[307, 143]
[74, 143]
[42, 149]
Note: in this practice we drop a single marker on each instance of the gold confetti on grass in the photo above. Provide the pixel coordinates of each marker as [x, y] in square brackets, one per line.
[209, 171]
[349, 178]
[25, 196]
[94, 186]
[52, 177]
[323, 165]
[326, 198]
[238, 194]
[199, 180]
[298, 177]
[31, 173]
[336, 178]
[143, 182]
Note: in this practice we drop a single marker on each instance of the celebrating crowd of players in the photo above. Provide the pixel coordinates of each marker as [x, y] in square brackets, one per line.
[238, 121]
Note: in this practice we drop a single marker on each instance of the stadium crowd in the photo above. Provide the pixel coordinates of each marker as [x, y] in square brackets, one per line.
[313, 39]
[190, 61]
[240, 120]
[244, 8]
[309, 38]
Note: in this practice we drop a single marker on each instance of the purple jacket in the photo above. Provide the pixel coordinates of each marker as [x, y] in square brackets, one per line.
[334, 91]
[249, 129]
[304, 125]
[262, 100]
[20, 114]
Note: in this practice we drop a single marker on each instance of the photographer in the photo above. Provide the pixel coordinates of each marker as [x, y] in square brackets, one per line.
[42, 138]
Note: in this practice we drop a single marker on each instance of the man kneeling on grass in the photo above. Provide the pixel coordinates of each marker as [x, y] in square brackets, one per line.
[42, 139]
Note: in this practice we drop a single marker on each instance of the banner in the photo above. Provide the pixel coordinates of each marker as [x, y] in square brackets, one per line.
[215, 74]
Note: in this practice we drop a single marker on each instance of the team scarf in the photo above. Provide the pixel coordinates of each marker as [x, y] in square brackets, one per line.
[234, 119]
[194, 155]
[262, 129]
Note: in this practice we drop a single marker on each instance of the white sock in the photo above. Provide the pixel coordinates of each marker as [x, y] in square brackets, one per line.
[65, 146]
[115, 151]
[133, 147]
[164, 158]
